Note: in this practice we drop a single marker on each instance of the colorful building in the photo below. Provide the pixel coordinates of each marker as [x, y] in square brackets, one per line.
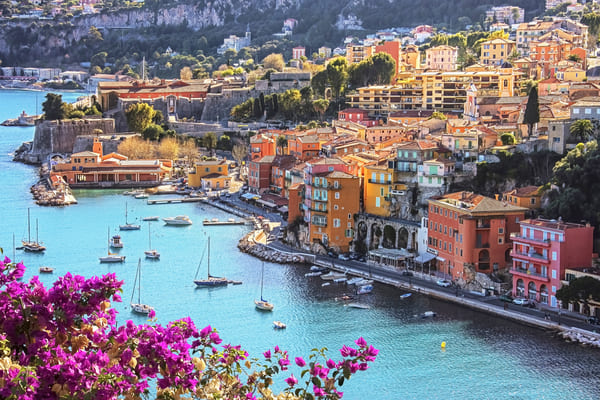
[379, 187]
[279, 167]
[92, 169]
[357, 116]
[496, 51]
[304, 147]
[262, 145]
[442, 58]
[259, 174]
[213, 175]
[330, 204]
[527, 197]
[470, 233]
[436, 173]
[542, 250]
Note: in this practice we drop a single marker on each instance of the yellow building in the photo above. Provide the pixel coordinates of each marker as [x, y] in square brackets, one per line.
[356, 53]
[571, 74]
[379, 187]
[212, 175]
[442, 58]
[440, 91]
[496, 51]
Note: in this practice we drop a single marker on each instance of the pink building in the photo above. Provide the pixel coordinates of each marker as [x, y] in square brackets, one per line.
[357, 116]
[542, 251]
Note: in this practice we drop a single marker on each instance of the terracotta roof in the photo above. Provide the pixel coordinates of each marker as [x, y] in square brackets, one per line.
[525, 191]
[339, 174]
[475, 203]
[552, 224]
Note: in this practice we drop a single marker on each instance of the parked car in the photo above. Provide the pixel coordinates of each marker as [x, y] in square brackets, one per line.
[406, 273]
[343, 257]
[593, 320]
[331, 254]
[506, 297]
[523, 301]
[443, 283]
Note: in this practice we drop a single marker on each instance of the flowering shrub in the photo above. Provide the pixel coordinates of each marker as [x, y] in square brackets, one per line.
[64, 343]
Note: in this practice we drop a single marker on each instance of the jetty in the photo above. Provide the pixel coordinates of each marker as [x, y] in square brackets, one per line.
[176, 200]
[231, 221]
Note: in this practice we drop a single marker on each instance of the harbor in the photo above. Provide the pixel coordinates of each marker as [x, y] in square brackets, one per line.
[410, 346]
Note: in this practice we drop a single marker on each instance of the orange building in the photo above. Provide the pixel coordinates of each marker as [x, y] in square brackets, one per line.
[279, 167]
[467, 230]
[394, 49]
[527, 197]
[262, 145]
[295, 202]
[330, 205]
[304, 147]
[92, 169]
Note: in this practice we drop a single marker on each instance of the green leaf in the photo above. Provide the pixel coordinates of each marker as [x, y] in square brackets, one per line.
[316, 381]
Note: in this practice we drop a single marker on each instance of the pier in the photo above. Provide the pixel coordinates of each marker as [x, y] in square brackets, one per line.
[176, 200]
[208, 222]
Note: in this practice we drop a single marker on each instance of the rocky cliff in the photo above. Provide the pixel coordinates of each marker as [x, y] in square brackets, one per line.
[60, 137]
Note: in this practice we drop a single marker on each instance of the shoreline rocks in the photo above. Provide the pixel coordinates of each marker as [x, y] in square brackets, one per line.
[247, 245]
[584, 338]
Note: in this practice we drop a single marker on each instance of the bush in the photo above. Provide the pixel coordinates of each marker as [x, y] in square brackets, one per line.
[64, 342]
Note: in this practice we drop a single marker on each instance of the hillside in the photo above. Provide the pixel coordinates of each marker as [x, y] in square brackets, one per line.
[189, 25]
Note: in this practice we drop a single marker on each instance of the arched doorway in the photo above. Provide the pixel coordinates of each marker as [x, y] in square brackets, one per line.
[389, 237]
[484, 260]
[360, 245]
[544, 294]
[376, 234]
[520, 288]
[531, 291]
[403, 238]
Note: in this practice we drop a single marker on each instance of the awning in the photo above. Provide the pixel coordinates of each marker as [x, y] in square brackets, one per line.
[266, 203]
[283, 209]
[250, 196]
[440, 259]
[425, 257]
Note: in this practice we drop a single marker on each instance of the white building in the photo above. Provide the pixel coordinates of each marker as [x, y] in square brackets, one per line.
[235, 43]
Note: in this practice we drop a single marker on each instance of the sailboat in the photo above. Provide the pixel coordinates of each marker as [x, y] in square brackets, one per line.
[263, 304]
[29, 245]
[139, 307]
[210, 281]
[128, 226]
[152, 253]
[111, 257]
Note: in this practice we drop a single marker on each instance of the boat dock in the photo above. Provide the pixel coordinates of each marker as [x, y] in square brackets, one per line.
[176, 200]
[208, 222]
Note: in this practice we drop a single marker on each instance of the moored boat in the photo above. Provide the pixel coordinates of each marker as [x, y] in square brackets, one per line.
[116, 242]
[46, 270]
[279, 325]
[153, 218]
[180, 220]
[333, 275]
[365, 289]
[128, 226]
[210, 281]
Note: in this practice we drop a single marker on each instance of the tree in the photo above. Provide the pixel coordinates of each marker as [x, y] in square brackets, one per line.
[290, 103]
[281, 143]
[189, 151]
[136, 148]
[581, 289]
[186, 73]
[274, 61]
[53, 107]
[168, 148]
[224, 143]
[384, 69]
[139, 116]
[438, 115]
[532, 111]
[582, 130]
[209, 140]
[64, 342]
[337, 75]
[153, 132]
[239, 153]
[320, 106]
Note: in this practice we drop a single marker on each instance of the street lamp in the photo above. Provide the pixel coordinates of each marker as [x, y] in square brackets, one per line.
[559, 310]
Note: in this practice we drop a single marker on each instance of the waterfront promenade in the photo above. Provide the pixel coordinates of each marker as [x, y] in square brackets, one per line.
[567, 324]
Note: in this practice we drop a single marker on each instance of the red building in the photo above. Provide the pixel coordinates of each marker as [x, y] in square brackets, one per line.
[262, 145]
[304, 147]
[542, 251]
[357, 116]
[279, 167]
[470, 231]
[259, 174]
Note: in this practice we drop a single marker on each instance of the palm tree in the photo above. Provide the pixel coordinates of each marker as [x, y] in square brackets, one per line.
[281, 143]
[582, 130]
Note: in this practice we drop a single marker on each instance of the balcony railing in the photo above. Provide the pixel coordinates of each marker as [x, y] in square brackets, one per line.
[380, 182]
[530, 257]
[517, 237]
[526, 273]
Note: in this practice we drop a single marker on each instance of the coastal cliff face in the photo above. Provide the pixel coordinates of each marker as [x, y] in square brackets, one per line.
[60, 137]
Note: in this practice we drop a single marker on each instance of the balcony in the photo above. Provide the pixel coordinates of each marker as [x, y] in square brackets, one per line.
[380, 182]
[531, 257]
[517, 237]
[529, 274]
[483, 226]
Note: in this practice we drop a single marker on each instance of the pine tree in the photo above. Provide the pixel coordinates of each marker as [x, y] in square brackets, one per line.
[532, 110]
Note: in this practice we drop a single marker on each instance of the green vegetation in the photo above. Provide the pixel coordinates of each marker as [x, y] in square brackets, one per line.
[532, 110]
[580, 289]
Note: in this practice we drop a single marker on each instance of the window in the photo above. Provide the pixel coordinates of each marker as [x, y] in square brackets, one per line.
[349, 216]
[553, 274]
[500, 230]
[500, 239]
[553, 256]
[336, 222]
[337, 195]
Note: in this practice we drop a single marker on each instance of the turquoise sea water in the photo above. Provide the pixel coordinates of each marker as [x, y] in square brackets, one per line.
[485, 357]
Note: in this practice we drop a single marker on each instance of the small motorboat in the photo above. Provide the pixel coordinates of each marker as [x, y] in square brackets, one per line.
[333, 276]
[405, 295]
[365, 289]
[359, 305]
[354, 281]
[316, 268]
[46, 270]
[345, 297]
[279, 325]
[153, 218]
[315, 273]
[428, 314]
[179, 220]
[116, 242]
[340, 280]
[326, 284]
